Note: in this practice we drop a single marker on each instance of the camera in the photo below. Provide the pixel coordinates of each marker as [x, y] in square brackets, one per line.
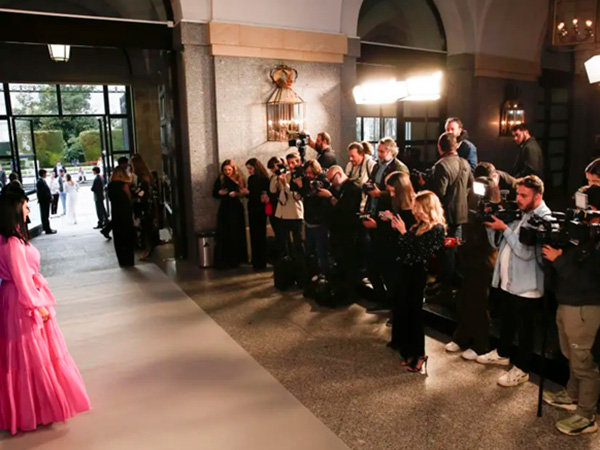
[280, 169]
[549, 230]
[507, 211]
[368, 186]
[415, 174]
[315, 185]
[300, 142]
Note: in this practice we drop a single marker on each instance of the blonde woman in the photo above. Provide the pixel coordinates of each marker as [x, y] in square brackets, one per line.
[415, 246]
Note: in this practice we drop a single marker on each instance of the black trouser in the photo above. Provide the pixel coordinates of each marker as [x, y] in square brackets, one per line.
[258, 236]
[449, 267]
[344, 252]
[124, 240]
[293, 247]
[518, 315]
[472, 311]
[101, 212]
[408, 333]
[54, 203]
[45, 213]
[381, 268]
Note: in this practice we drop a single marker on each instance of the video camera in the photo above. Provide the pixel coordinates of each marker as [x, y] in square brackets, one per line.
[300, 142]
[315, 185]
[507, 211]
[415, 174]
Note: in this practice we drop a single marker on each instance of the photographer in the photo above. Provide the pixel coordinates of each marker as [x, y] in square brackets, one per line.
[592, 173]
[380, 257]
[576, 271]
[503, 180]
[520, 279]
[478, 258]
[290, 210]
[450, 181]
[359, 167]
[322, 146]
[466, 149]
[313, 189]
[345, 197]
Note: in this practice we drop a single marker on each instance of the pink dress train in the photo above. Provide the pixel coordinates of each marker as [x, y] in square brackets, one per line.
[39, 381]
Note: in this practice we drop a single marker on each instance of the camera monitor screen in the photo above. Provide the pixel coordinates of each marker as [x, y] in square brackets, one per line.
[581, 200]
[479, 188]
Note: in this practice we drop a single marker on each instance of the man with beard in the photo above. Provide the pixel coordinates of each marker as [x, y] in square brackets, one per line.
[519, 277]
[530, 160]
[322, 145]
[466, 149]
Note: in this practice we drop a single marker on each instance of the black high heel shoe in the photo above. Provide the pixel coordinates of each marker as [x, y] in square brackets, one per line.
[420, 365]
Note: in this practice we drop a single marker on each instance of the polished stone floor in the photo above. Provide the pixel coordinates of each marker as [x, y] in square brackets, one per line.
[161, 374]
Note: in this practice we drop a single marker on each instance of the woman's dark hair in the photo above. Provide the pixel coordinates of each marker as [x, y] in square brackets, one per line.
[259, 169]
[274, 161]
[12, 222]
[593, 167]
[69, 178]
[404, 193]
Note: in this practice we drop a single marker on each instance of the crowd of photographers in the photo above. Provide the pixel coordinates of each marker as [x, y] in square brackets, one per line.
[457, 233]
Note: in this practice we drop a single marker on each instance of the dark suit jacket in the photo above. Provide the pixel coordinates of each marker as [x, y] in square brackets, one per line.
[43, 191]
[530, 160]
[384, 202]
[450, 181]
[98, 188]
[326, 158]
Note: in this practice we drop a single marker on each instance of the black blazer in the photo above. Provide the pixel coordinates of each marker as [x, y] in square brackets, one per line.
[98, 188]
[43, 191]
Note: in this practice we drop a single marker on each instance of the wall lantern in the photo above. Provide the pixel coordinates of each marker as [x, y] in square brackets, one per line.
[59, 52]
[574, 22]
[285, 109]
[512, 114]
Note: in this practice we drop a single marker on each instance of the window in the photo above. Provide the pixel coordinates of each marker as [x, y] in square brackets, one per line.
[117, 99]
[82, 99]
[29, 99]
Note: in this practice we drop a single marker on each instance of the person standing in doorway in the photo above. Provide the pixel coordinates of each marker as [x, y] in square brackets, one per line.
[54, 190]
[3, 179]
[119, 194]
[72, 191]
[98, 190]
[61, 190]
[44, 200]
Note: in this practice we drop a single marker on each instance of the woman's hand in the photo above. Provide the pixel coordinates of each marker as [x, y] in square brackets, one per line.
[398, 224]
[386, 215]
[244, 191]
[264, 198]
[375, 192]
[44, 313]
[223, 191]
[369, 223]
[233, 194]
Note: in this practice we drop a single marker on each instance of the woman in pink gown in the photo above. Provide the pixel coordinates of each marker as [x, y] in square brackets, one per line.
[39, 382]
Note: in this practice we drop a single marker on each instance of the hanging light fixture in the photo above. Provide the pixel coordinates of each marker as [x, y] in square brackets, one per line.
[285, 108]
[574, 22]
[59, 52]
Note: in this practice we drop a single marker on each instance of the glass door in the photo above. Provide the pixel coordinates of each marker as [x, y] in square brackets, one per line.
[106, 160]
[25, 153]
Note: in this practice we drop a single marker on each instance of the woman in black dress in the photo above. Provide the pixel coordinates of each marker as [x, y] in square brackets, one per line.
[403, 196]
[258, 186]
[119, 194]
[230, 250]
[415, 245]
[144, 206]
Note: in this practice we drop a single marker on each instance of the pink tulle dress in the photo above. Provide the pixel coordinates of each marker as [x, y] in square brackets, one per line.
[39, 382]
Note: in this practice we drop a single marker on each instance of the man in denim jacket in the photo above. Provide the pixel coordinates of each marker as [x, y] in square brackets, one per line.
[519, 277]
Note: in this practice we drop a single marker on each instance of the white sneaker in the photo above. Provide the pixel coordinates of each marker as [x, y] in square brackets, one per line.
[469, 355]
[493, 358]
[452, 347]
[513, 377]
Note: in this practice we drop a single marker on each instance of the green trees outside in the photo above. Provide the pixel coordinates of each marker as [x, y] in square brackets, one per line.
[62, 138]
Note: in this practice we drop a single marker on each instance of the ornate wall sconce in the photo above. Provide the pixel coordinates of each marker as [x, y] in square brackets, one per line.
[574, 22]
[285, 109]
[512, 113]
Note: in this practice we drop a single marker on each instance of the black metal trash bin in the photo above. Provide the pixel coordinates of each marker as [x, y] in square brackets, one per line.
[206, 248]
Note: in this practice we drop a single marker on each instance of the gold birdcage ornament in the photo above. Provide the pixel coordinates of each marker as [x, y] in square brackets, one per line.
[285, 109]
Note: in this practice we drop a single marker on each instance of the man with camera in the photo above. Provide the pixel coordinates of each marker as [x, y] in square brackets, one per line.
[503, 180]
[345, 197]
[322, 145]
[316, 209]
[520, 279]
[290, 209]
[576, 276]
[381, 257]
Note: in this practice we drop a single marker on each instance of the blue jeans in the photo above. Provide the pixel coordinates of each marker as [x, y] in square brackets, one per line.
[63, 201]
[317, 243]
